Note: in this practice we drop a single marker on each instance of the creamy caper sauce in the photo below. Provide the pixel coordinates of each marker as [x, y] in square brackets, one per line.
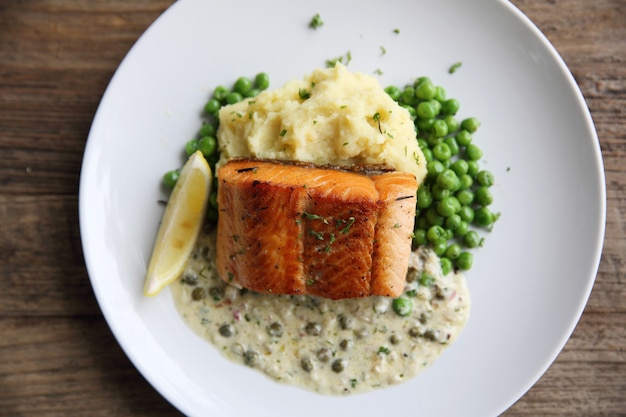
[326, 346]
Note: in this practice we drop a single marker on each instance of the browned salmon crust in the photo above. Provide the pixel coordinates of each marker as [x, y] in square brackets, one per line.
[334, 232]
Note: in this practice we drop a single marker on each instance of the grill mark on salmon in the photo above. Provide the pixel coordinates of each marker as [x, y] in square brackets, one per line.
[297, 228]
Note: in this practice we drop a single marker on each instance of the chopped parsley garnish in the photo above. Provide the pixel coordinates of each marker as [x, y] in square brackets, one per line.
[396, 31]
[345, 59]
[455, 67]
[376, 118]
[316, 21]
[346, 229]
[304, 93]
[384, 349]
[311, 216]
[317, 235]
[283, 132]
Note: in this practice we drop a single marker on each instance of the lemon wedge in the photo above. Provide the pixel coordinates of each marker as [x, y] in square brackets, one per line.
[181, 224]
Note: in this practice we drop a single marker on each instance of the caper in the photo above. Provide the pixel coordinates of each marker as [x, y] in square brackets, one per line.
[345, 322]
[313, 329]
[424, 317]
[197, 294]
[306, 364]
[338, 365]
[216, 293]
[415, 332]
[394, 339]
[361, 333]
[226, 330]
[430, 335]
[324, 354]
[190, 279]
[250, 357]
[412, 275]
[345, 344]
[275, 329]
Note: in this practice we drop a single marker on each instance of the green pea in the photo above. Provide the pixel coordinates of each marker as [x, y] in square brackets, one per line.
[473, 152]
[437, 106]
[408, 96]
[402, 306]
[483, 217]
[428, 155]
[442, 151]
[435, 234]
[483, 196]
[207, 145]
[446, 179]
[212, 106]
[466, 213]
[220, 92]
[471, 124]
[450, 106]
[446, 265]
[465, 197]
[471, 239]
[170, 178]
[242, 85]
[453, 251]
[434, 168]
[448, 206]
[262, 81]
[420, 81]
[440, 247]
[452, 122]
[472, 169]
[191, 146]
[234, 97]
[452, 144]
[466, 181]
[425, 125]
[253, 92]
[422, 223]
[426, 90]
[439, 193]
[463, 138]
[485, 178]
[424, 197]
[440, 94]
[433, 218]
[465, 261]
[459, 167]
[440, 128]
[462, 229]
[213, 199]
[426, 110]
[419, 238]
[207, 129]
[394, 92]
[453, 222]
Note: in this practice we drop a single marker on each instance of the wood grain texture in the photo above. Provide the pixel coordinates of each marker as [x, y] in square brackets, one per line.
[57, 355]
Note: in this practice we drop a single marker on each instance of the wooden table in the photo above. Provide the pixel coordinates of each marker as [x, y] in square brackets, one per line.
[57, 354]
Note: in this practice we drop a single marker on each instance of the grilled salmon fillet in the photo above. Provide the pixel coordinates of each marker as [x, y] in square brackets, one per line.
[297, 228]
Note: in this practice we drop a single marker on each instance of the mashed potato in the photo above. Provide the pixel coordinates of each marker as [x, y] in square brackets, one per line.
[332, 116]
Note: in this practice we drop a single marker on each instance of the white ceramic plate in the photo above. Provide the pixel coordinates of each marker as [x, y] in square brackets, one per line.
[529, 283]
